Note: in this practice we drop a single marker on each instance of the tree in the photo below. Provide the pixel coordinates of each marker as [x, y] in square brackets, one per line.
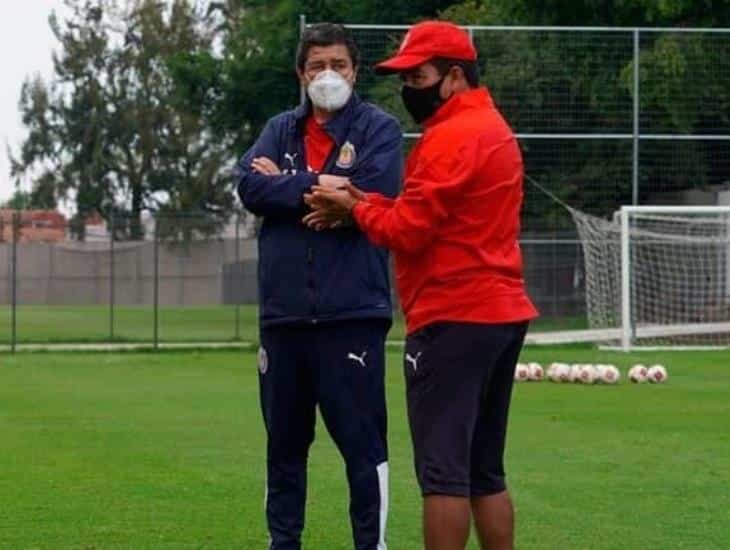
[26, 200]
[709, 13]
[575, 83]
[111, 130]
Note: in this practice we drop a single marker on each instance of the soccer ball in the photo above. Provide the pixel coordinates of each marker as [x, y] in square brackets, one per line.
[564, 372]
[656, 374]
[586, 374]
[638, 374]
[535, 372]
[560, 372]
[575, 372]
[522, 372]
[556, 371]
[551, 372]
[609, 374]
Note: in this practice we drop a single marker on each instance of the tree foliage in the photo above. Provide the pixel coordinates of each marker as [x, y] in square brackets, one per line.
[570, 82]
[112, 130]
[152, 101]
[27, 200]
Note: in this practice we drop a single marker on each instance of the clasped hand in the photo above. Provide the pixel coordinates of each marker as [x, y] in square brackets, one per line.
[331, 201]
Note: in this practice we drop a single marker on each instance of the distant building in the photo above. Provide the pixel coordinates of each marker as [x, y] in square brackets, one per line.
[50, 226]
[45, 226]
[96, 228]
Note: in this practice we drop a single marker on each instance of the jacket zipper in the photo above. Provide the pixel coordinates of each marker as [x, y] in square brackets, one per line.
[311, 289]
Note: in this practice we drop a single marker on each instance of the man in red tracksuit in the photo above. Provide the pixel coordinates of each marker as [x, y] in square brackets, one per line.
[454, 232]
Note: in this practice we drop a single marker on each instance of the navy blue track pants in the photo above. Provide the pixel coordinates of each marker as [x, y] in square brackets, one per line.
[340, 368]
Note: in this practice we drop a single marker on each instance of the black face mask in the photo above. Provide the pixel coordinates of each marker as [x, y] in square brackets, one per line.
[421, 103]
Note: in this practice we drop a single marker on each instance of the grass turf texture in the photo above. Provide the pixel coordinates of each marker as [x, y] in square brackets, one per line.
[167, 451]
[86, 324]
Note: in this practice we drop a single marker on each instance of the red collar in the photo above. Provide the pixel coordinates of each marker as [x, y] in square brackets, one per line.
[470, 99]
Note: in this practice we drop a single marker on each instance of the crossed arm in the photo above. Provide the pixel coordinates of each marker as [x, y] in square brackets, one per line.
[265, 190]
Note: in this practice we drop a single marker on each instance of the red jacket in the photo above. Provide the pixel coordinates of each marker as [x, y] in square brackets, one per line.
[454, 229]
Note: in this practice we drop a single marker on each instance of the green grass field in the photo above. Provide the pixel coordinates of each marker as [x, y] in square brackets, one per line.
[166, 450]
[85, 324]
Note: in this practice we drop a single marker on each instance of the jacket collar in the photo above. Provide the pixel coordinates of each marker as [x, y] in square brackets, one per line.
[338, 126]
[470, 99]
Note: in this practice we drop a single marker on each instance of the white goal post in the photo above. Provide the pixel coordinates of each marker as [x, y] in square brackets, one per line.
[658, 276]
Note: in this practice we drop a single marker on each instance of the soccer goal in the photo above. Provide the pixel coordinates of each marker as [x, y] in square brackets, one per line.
[658, 276]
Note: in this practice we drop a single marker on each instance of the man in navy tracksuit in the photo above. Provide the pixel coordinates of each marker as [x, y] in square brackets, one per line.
[325, 304]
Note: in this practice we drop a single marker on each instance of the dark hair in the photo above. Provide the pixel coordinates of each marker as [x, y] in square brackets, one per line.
[470, 68]
[326, 34]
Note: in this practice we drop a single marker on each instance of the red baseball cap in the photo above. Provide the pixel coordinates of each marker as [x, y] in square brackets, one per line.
[427, 40]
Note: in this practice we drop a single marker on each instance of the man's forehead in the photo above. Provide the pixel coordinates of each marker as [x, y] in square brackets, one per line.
[335, 51]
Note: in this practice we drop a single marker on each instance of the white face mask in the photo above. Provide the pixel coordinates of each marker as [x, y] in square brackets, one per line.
[329, 90]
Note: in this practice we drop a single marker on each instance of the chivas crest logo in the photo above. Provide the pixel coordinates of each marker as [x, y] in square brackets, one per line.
[347, 156]
[263, 360]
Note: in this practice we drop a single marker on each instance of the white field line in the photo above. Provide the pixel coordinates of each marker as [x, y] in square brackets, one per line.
[130, 346]
[533, 338]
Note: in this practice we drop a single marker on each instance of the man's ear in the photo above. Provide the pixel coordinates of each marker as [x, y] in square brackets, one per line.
[458, 78]
[302, 79]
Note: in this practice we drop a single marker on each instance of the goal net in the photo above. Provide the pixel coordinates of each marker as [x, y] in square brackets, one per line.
[658, 275]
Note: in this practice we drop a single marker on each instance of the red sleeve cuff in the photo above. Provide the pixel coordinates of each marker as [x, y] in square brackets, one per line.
[358, 210]
[380, 200]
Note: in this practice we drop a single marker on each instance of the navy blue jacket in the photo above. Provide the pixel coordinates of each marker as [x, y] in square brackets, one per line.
[307, 276]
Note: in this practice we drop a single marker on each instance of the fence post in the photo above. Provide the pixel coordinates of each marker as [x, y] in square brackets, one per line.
[236, 271]
[14, 282]
[302, 28]
[156, 282]
[112, 279]
[637, 107]
[626, 328]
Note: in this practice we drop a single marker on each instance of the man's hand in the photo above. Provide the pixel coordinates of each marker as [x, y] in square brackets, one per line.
[324, 214]
[325, 218]
[344, 197]
[265, 166]
[331, 206]
[332, 182]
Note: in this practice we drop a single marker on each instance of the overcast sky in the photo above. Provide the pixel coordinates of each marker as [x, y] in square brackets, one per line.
[26, 44]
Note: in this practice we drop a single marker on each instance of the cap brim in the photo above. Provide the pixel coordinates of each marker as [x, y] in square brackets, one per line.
[400, 63]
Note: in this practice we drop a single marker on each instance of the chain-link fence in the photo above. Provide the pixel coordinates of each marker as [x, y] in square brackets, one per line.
[593, 130]
[170, 280]
[173, 282]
